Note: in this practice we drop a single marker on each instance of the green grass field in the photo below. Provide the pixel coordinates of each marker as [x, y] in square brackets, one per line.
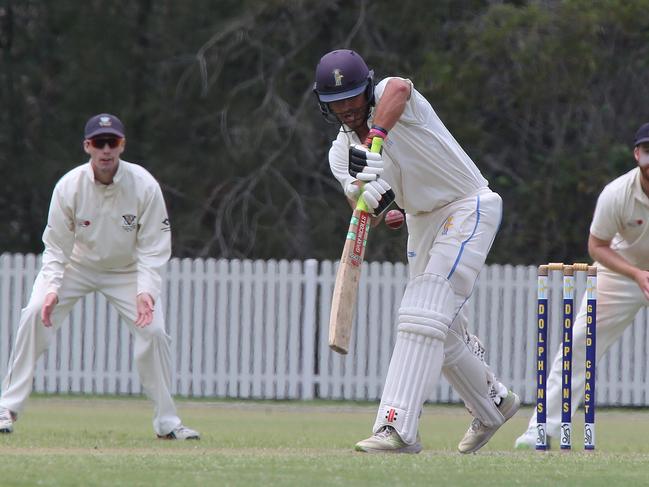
[109, 442]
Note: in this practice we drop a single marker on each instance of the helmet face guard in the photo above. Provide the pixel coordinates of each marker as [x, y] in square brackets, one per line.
[342, 74]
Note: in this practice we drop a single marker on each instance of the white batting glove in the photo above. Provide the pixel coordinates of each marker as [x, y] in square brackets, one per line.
[364, 165]
[352, 191]
[378, 195]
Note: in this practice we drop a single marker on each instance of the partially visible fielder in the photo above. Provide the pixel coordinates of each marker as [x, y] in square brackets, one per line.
[107, 231]
[452, 218]
[619, 243]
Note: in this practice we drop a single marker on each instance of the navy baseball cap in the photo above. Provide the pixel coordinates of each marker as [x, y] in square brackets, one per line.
[642, 135]
[104, 123]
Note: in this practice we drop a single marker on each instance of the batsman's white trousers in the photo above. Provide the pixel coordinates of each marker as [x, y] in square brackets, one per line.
[446, 248]
[454, 241]
[618, 301]
[152, 350]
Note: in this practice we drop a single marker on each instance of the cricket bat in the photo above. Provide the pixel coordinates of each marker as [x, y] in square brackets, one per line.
[349, 273]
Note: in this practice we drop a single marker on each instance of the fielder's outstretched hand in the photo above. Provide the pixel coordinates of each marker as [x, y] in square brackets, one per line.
[48, 306]
[144, 310]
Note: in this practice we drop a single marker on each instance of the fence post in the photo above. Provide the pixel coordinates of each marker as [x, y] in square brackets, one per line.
[309, 328]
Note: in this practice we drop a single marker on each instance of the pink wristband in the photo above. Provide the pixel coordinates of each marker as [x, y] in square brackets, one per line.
[374, 132]
[380, 129]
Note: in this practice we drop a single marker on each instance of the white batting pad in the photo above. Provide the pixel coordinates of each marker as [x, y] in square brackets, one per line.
[424, 317]
[468, 373]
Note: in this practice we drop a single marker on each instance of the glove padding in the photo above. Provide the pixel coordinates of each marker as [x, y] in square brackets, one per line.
[363, 164]
[352, 191]
[378, 195]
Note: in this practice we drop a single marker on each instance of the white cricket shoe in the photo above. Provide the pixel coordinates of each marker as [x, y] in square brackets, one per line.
[478, 434]
[181, 433]
[7, 419]
[387, 440]
[527, 441]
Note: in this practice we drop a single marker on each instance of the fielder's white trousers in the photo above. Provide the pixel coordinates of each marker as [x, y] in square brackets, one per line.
[618, 301]
[152, 352]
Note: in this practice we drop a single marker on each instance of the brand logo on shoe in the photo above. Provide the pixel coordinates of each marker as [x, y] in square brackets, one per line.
[391, 415]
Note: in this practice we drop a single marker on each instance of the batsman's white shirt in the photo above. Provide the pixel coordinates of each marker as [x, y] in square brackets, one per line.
[452, 214]
[452, 219]
[120, 226]
[424, 164]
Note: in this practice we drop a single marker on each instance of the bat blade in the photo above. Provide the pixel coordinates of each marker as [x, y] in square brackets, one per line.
[349, 274]
[347, 279]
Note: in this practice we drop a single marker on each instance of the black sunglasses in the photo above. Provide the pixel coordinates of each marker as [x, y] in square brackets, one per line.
[100, 142]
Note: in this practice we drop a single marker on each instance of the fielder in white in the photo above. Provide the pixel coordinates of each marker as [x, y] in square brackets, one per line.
[619, 244]
[107, 231]
[452, 218]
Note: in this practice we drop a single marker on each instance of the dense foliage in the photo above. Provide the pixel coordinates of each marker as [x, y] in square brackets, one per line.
[216, 95]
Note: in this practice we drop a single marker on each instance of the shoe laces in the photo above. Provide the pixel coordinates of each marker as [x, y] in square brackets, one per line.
[385, 432]
[5, 414]
[476, 425]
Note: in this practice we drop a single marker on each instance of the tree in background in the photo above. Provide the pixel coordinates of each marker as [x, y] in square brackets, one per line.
[217, 101]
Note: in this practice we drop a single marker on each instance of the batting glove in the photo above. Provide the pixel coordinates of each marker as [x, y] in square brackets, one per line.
[352, 191]
[363, 164]
[378, 195]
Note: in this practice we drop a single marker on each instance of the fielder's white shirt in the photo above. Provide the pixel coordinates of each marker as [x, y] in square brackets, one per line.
[122, 226]
[424, 164]
[622, 217]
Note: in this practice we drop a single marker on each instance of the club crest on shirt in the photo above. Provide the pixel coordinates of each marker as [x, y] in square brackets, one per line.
[129, 222]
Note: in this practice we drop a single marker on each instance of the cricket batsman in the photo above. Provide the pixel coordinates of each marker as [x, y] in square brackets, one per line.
[452, 218]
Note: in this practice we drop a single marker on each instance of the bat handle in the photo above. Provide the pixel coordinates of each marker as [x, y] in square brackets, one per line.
[377, 143]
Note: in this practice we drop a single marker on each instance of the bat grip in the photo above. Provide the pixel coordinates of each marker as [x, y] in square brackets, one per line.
[377, 143]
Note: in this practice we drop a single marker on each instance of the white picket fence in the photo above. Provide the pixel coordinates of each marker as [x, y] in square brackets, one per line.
[258, 329]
